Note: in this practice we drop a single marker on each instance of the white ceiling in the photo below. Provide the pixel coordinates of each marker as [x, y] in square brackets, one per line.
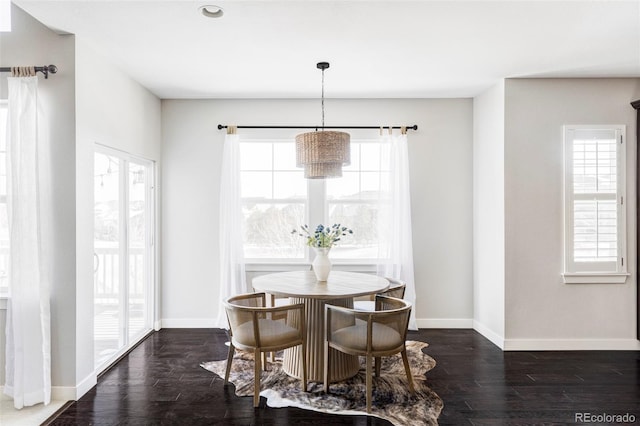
[403, 49]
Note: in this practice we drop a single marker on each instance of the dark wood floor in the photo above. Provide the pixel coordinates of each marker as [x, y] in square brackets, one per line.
[160, 383]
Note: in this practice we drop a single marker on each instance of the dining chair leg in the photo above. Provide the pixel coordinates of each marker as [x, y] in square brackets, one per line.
[377, 366]
[303, 356]
[405, 360]
[229, 359]
[272, 355]
[369, 383]
[264, 361]
[326, 367]
[256, 379]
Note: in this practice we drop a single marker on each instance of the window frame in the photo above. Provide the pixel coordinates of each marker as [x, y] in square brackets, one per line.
[605, 271]
[261, 264]
[317, 208]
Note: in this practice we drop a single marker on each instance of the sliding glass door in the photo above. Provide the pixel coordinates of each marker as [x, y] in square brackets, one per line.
[123, 252]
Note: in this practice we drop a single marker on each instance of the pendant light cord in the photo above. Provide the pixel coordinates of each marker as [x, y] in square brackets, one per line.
[323, 99]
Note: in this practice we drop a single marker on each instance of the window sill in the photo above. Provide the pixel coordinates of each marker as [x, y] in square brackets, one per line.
[595, 277]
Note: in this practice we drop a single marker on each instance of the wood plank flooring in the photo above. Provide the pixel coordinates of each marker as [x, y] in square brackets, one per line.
[160, 383]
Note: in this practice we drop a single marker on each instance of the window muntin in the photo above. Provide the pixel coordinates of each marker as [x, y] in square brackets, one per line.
[595, 228]
[276, 198]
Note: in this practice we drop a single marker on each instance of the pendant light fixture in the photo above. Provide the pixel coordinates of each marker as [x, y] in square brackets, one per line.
[323, 153]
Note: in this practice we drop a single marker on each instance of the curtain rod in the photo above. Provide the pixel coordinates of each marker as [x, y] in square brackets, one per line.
[46, 69]
[414, 127]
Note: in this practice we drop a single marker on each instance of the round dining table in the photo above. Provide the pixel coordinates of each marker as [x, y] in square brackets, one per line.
[303, 287]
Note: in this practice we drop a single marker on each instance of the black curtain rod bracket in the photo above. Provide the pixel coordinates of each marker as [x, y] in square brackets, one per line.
[413, 127]
[46, 70]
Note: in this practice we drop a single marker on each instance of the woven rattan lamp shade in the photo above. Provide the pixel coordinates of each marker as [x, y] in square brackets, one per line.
[322, 154]
[322, 170]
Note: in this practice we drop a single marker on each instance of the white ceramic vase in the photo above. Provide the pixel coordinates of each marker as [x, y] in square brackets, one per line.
[321, 263]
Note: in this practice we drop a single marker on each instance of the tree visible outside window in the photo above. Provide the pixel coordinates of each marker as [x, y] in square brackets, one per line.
[276, 198]
[354, 201]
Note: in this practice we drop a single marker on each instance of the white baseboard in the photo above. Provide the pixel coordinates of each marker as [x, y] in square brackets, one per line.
[491, 335]
[65, 393]
[444, 322]
[73, 393]
[571, 345]
[556, 344]
[85, 385]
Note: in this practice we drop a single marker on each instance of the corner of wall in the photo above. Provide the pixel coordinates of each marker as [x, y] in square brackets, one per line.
[491, 335]
[489, 214]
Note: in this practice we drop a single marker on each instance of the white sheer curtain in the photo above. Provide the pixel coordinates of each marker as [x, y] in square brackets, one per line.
[28, 342]
[395, 258]
[232, 268]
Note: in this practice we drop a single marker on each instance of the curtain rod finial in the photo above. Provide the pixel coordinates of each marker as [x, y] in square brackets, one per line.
[49, 69]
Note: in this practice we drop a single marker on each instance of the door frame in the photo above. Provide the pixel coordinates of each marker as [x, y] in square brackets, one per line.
[152, 315]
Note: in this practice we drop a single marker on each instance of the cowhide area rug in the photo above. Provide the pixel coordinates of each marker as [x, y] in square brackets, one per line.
[391, 401]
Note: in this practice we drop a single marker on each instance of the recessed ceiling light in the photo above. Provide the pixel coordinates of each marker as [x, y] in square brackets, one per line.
[211, 11]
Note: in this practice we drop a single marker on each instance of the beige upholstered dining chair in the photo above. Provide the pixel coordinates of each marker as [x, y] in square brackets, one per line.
[382, 332]
[275, 300]
[256, 328]
[396, 289]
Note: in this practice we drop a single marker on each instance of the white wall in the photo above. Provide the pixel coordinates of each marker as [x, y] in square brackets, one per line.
[30, 43]
[541, 311]
[441, 186]
[489, 214]
[91, 99]
[113, 110]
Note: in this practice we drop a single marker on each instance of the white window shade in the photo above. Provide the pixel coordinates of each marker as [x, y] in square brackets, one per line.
[594, 191]
[595, 236]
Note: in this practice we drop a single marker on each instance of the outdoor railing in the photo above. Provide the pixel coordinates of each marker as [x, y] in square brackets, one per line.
[107, 273]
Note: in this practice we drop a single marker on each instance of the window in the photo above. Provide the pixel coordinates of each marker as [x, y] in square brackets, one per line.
[4, 222]
[354, 201]
[274, 200]
[594, 196]
[277, 198]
